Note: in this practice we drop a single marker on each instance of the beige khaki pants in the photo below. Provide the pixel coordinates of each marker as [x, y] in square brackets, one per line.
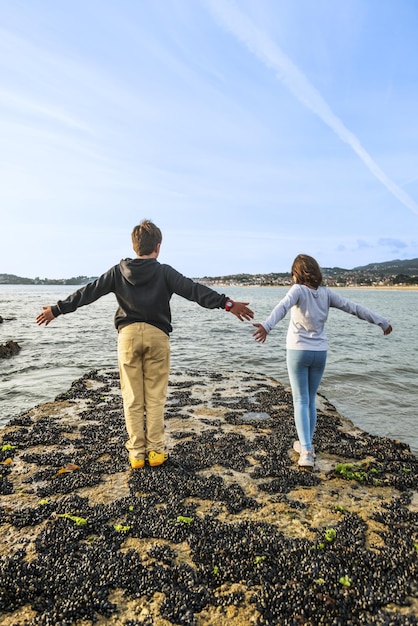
[144, 366]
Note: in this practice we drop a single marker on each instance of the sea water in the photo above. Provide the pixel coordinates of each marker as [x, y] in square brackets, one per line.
[371, 379]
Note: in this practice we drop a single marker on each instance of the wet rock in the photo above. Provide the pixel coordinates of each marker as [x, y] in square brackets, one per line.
[228, 530]
[9, 349]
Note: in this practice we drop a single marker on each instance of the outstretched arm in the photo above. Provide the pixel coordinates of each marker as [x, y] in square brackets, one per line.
[277, 314]
[360, 311]
[46, 316]
[204, 295]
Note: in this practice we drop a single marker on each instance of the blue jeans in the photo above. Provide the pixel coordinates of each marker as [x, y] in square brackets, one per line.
[305, 369]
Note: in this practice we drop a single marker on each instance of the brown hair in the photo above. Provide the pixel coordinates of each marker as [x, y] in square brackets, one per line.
[306, 271]
[145, 237]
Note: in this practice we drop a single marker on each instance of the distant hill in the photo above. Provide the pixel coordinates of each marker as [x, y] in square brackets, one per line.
[389, 272]
[389, 268]
[395, 272]
[11, 279]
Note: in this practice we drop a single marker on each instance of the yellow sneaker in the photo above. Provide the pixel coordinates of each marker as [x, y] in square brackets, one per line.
[157, 458]
[136, 463]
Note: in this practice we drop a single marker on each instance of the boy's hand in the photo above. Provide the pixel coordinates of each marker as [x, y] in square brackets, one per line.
[388, 330]
[241, 311]
[45, 317]
[260, 334]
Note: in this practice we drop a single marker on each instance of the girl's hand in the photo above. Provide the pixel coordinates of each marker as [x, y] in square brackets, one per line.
[388, 330]
[260, 334]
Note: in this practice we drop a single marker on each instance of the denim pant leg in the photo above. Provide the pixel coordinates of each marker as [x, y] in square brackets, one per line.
[305, 369]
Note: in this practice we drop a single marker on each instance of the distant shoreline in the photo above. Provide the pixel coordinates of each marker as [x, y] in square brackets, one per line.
[394, 274]
[382, 287]
[377, 287]
[215, 285]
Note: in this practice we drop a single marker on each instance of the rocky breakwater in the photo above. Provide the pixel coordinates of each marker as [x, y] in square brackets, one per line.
[228, 532]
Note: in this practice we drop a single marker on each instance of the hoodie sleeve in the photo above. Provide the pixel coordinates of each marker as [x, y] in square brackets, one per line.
[86, 295]
[282, 308]
[358, 310]
[195, 292]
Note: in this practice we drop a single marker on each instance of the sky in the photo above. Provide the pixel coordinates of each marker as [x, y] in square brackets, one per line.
[249, 131]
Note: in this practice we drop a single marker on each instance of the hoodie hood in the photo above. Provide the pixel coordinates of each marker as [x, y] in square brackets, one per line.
[311, 290]
[139, 272]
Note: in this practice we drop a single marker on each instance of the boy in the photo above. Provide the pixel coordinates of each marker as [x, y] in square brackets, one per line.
[143, 288]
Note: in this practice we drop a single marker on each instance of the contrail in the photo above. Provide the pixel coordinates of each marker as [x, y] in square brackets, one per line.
[290, 75]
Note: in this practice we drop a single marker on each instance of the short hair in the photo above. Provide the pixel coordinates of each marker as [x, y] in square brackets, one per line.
[145, 237]
[306, 271]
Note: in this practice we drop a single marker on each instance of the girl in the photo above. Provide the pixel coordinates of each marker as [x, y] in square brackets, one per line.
[307, 343]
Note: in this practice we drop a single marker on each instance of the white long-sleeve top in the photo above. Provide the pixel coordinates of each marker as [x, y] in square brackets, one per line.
[309, 312]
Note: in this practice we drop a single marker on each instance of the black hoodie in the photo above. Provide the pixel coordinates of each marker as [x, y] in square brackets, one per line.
[143, 289]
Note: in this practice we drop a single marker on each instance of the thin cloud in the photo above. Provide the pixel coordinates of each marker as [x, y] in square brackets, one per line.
[395, 244]
[27, 106]
[296, 82]
[361, 244]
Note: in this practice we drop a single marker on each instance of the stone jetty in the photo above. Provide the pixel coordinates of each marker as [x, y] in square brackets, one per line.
[230, 531]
